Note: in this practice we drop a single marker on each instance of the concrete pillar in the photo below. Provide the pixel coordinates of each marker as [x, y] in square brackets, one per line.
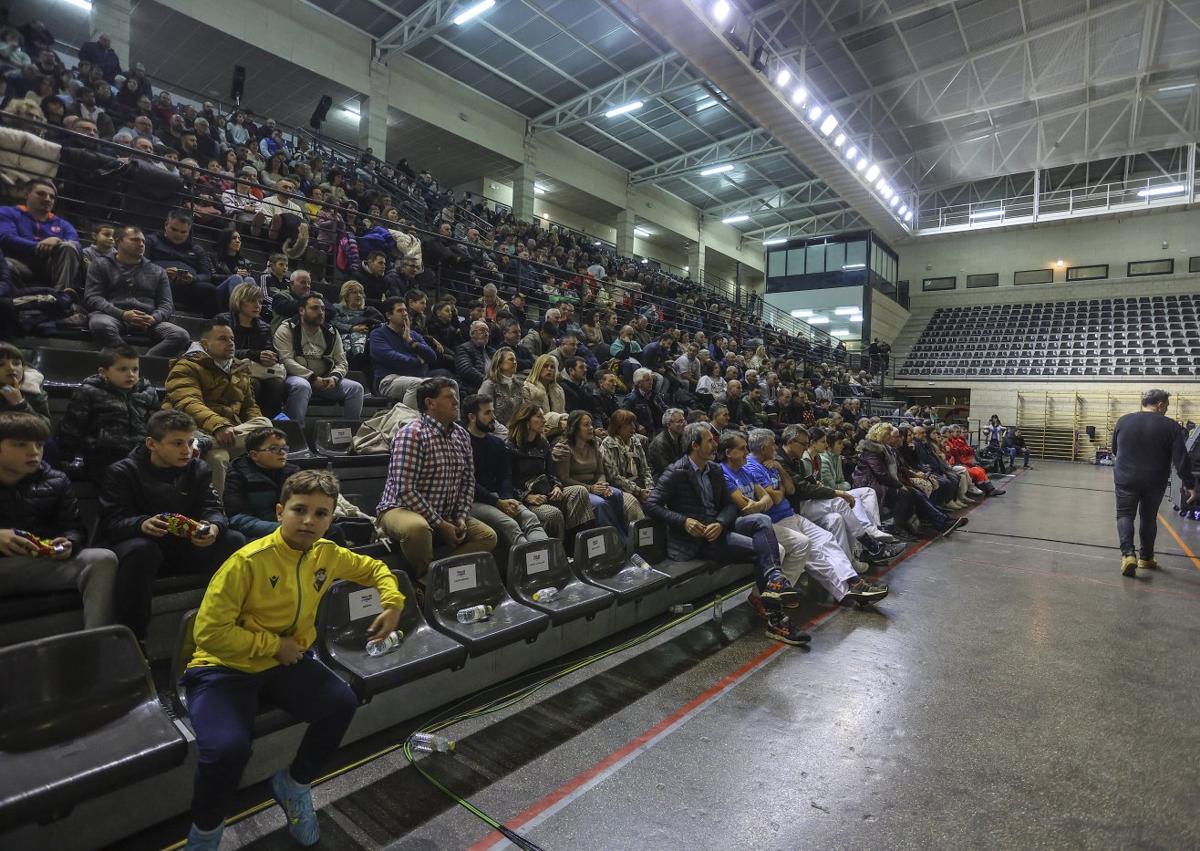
[523, 180]
[373, 113]
[696, 259]
[625, 224]
[112, 17]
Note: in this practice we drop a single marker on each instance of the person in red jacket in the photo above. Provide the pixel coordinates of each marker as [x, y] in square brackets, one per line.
[959, 451]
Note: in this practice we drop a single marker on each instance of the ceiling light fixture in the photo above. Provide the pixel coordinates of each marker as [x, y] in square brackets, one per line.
[815, 113]
[817, 320]
[829, 124]
[624, 108]
[846, 311]
[908, 216]
[988, 214]
[799, 96]
[851, 153]
[839, 140]
[895, 201]
[733, 220]
[721, 10]
[717, 169]
[1176, 88]
[783, 77]
[545, 215]
[641, 232]
[851, 266]
[705, 104]
[880, 184]
[85, 5]
[903, 209]
[777, 240]
[872, 173]
[1173, 189]
[538, 189]
[351, 110]
[862, 163]
[478, 9]
[802, 313]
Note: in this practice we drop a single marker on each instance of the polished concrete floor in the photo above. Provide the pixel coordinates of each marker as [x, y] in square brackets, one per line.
[1014, 691]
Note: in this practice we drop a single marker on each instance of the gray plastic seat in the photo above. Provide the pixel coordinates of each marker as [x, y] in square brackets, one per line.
[343, 619]
[460, 582]
[649, 540]
[601, 559]
[540, 564]
[79, 717]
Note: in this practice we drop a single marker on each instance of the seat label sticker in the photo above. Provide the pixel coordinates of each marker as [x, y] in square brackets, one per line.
[537, 561]
[364, 604]
[595, 547]
[462, 578]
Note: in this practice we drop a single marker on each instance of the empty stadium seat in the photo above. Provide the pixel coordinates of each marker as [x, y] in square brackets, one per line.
[78, 717]
[535, 565]
[649, 540]
[460, 582]
[601, 559]
[343, 621]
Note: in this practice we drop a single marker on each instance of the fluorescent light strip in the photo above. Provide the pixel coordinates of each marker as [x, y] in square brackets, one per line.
[85, 5]
[802, 313]
[733, 220]
[717, 169]
[988, 214]
[854, 266]
[872, 172]
[839, 140]
[1177, 88]
[705, 104]
[846, 311]
[815, 113]
[829, 125]
[478, 9]
[621, 110]
[779, 240]
[908, 216]
[851, 153]
[817, 320]
[721, 10]
[1173, 189]
[641, 232]
[783, 77]
[799, 96]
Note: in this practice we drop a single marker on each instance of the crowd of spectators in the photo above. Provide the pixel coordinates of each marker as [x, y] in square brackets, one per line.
[551, 386]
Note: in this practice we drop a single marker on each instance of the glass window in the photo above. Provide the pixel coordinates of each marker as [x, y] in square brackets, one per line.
[816, 260]
[776, 264]
[835, 256]
[856, 253]
[795, 261]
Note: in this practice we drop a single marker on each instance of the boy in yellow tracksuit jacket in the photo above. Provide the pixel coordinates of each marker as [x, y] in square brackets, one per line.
[253, 634]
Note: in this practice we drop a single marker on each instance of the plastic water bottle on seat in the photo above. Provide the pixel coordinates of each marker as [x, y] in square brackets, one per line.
[386, 644]
[474, 614]
[545, 595]
[640, 562]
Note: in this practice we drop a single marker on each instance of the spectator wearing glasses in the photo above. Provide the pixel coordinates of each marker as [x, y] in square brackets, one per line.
[254, 482]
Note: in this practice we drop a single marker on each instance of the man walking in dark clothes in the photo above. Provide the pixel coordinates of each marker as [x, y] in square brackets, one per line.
[1146, 444]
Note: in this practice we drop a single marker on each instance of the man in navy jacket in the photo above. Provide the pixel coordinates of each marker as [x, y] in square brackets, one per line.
[400, 357]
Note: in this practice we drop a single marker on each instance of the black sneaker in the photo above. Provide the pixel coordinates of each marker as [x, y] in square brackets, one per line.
[864, 593]
[779, 628]
[954, 524]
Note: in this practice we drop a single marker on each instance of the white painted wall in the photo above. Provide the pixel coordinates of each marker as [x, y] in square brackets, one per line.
[1115, 241]
[887, 317]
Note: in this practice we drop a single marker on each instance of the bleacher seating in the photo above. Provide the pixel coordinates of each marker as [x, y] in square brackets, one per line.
[1109, 337]
[461, 582]
[535, 565]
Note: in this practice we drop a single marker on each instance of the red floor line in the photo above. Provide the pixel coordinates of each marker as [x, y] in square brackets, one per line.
[1180, 541]
[583, 777]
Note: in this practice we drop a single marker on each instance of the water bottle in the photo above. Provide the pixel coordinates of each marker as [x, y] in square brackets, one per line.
[545, 595]
[681, 608]
[429, 743]
[640, 562]
[476, 613]
[385, 645]
[718, 610]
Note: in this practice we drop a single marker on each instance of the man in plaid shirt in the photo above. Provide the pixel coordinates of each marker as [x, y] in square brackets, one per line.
[431, 483]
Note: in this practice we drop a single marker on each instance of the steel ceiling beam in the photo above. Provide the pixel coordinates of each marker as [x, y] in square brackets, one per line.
[835, 221]
[752, 144]
[761, 200]
[655, 79]
[428, 19]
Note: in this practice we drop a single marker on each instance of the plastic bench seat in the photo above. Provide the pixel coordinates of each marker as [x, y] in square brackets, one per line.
[343, 620]
[649, 540]
[541, 564]
[460, 582]
[79, 717]
[601, 560]
[332, 439]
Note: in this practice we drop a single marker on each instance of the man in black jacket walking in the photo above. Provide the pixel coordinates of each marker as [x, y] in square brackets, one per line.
[161, 477]
[692, 499]
[1146, 444]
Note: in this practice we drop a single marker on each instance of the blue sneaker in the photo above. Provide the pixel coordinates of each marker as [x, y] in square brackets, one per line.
[204, 840]
[779, 592]
[297, 804]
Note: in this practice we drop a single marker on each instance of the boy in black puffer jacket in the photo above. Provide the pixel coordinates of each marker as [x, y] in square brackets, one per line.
[37, 499]
[254, 484]
[106, 417]
[161, 476]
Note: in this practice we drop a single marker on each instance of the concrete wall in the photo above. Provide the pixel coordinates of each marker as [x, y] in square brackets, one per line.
[1115, 241]
[1001, 397]
[887, 317]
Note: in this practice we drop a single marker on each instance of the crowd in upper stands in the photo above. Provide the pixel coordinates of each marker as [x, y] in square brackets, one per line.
[543, 385]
